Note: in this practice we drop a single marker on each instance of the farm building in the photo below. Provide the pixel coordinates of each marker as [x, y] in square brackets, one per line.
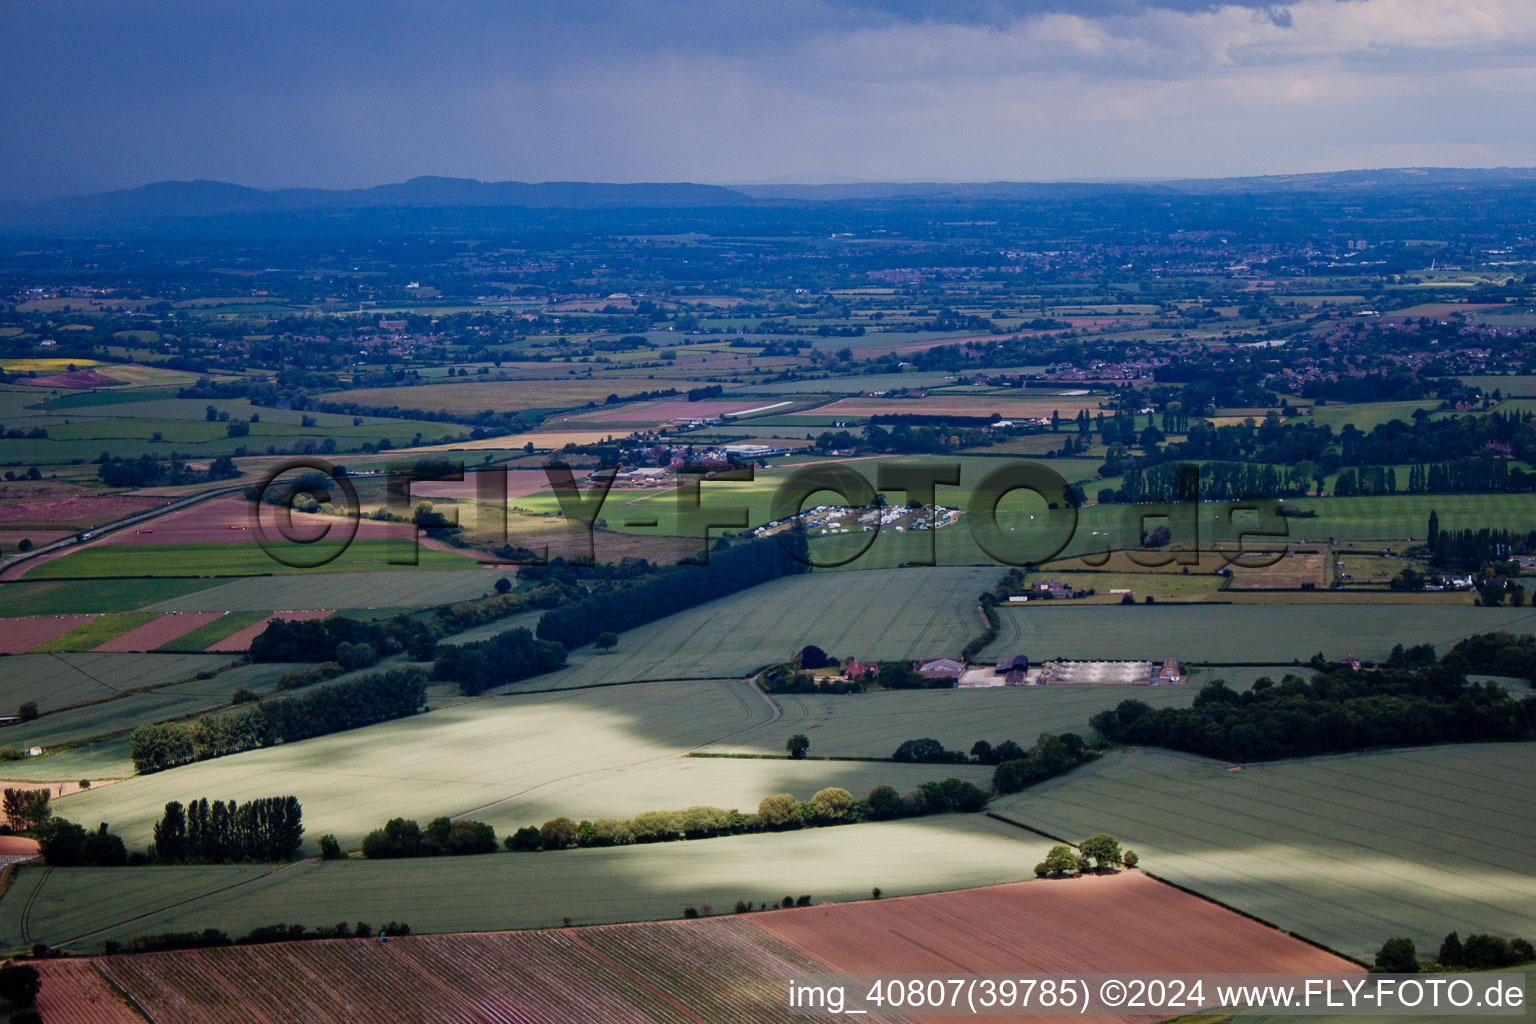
[1169, 674]
[1124, 673]
[853, 668]
[1018, 661]
[940, 668]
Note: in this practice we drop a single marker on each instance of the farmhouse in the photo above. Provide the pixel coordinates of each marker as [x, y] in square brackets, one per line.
[1168, 675]
[855, 669]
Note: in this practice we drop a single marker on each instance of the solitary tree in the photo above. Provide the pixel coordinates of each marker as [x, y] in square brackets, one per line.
[1104, 849]
[607, 640]
[1397, 956]
[503, 585]
[797, 745]
[1060, 861]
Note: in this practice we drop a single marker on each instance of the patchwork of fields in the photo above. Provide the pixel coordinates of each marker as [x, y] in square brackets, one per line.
[78, 908]
[725, 968]
[1348, 850]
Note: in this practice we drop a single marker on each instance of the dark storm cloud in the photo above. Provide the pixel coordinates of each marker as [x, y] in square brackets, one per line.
[99, 94]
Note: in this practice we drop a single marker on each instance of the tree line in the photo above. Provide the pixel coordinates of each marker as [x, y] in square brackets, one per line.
[368, 700]
[731, 568]
[227, 832]
[779, 813]
[1478, 952]
[1338, 711]
[401, 837]
[506, 657]
[213, 938]
[1016, 768]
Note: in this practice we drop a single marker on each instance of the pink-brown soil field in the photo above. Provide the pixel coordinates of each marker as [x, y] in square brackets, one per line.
[227, 520]
[1125, 922]
[157, 632]
[74, 379]
[23, 634]
[78, 511]
[729, 968]
[240, 640]
[74, 992]
[1007, 406]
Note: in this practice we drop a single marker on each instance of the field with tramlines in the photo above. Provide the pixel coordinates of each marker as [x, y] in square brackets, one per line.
[729, 968]
[1346, 850]
[74, 992]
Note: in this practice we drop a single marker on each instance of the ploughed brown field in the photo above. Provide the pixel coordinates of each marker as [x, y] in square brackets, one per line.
[227, 520]
[241, 640]
[731, 968]
[158, 632]
[23, 634]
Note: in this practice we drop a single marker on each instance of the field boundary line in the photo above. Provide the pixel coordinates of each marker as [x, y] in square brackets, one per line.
[119, 991]
[1193, 892]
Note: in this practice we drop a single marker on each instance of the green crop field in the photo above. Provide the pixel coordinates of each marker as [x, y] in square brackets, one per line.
[875, 724]
[386, 588]
[1240, 633]
[80, 907]
[907, 613]
[64, 597]
[90, 635]
[210, 633]
[137, 708]
[1347, 851]
[239, 559]
[57, 680]
[449, 761]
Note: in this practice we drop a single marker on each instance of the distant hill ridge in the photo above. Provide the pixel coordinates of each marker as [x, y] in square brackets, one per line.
[185, 201]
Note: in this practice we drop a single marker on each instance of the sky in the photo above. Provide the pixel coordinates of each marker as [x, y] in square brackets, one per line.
[100, 95]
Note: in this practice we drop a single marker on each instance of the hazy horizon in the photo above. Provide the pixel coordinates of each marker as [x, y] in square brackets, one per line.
[107, 95]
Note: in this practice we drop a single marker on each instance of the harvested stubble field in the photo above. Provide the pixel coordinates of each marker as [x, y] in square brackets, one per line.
[78, 908]
[1346, 850]
[79, 512]
[685, 972]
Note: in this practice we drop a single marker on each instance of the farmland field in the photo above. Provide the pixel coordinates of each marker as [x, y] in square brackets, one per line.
[1242, 633]
[239, 559]
[387, 588]
[80, 907]
[476, 396]
[453, 759]
[908, 613]
[721, 968]
[1345, 850]
[131, 709]
[54, 681]
[1139, 925]
[158, 631]
[875, 724]
[51, 597]
[215, 630]
[23, 634]
[94, 632]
